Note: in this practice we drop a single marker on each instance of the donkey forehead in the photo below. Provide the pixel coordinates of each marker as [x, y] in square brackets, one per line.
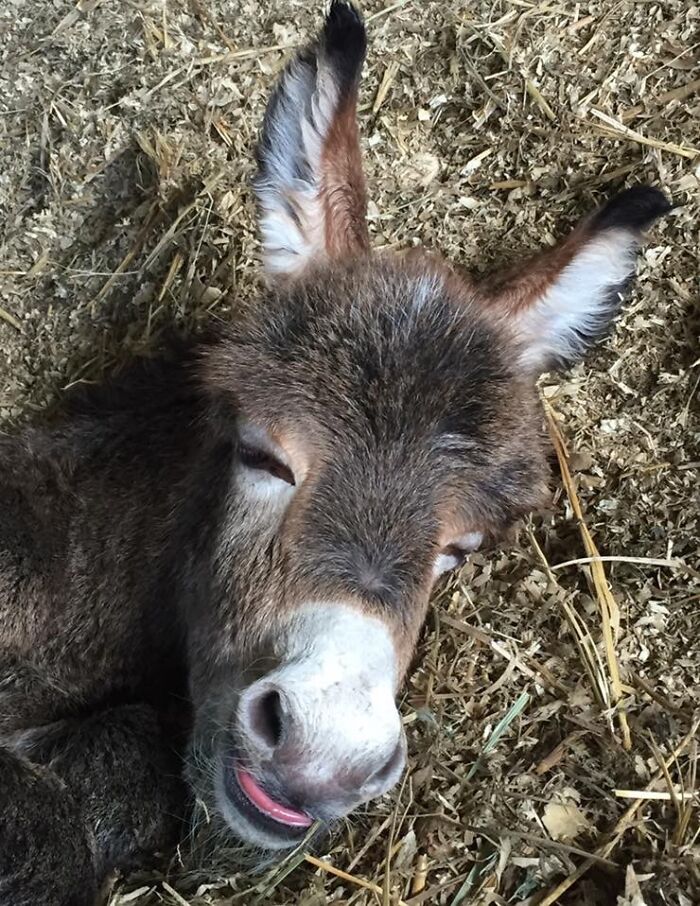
[395, 395]
[371, 349]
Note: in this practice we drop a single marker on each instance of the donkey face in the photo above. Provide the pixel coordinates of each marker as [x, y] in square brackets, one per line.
[383, 422]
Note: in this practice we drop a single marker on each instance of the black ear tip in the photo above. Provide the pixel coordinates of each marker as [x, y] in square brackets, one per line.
[344, 12]
[344, 37]
[634, 209]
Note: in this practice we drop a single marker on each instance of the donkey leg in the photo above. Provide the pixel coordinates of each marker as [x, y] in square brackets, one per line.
[125, 776]
[46, 847]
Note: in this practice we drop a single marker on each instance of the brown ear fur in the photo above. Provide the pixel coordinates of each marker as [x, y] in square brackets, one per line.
[310, 185]
[564, 299]
[525, 282]
[632, 211]
[343, 187]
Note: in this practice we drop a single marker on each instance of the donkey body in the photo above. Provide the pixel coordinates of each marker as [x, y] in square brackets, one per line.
[222, 560]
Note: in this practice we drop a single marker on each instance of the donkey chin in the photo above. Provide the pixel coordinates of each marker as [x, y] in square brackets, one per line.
[307, 742]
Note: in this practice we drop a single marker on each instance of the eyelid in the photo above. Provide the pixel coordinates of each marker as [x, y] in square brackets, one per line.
[453, 555]
[254, 440]
[445, 562]
[469, 542]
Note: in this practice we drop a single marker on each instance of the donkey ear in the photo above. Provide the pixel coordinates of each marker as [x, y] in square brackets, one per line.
[565, 299]
[310, 186]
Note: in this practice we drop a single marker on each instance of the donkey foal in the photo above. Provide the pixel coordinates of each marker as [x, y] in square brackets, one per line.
[224, 558]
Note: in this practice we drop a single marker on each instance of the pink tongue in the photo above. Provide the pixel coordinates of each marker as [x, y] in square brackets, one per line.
[268, 806]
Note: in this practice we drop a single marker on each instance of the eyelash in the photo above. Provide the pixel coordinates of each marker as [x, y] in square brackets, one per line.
[262, 461]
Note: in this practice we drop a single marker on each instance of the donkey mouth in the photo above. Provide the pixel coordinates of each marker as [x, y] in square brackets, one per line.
[266, 804]
[258, 807]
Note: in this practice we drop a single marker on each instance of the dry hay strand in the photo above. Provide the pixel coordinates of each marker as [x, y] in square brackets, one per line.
[609, 610]
[622, 825]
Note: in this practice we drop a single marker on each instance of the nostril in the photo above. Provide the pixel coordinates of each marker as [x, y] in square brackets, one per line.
[266, 717]
[388, 774]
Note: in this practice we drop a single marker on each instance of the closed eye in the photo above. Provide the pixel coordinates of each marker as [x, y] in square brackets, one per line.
[264, 461]
[448, 559]
[456, 553]
[452, 556]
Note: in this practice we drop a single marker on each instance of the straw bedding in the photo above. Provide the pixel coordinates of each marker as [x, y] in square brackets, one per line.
[552, 710]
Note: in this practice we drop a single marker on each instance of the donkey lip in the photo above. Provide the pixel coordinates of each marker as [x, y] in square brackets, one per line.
[285, 834]
[267, 805]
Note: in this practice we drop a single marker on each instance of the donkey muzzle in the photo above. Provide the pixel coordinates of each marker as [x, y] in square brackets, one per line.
[320, 734]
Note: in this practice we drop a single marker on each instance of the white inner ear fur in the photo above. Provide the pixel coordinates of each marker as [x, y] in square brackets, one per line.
[579, 303]
[291, 214]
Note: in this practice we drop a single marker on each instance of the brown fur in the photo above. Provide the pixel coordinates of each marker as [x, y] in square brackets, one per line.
[343, 190]
[520, 286]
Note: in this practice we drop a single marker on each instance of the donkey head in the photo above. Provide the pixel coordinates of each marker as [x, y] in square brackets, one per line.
[382, 421]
